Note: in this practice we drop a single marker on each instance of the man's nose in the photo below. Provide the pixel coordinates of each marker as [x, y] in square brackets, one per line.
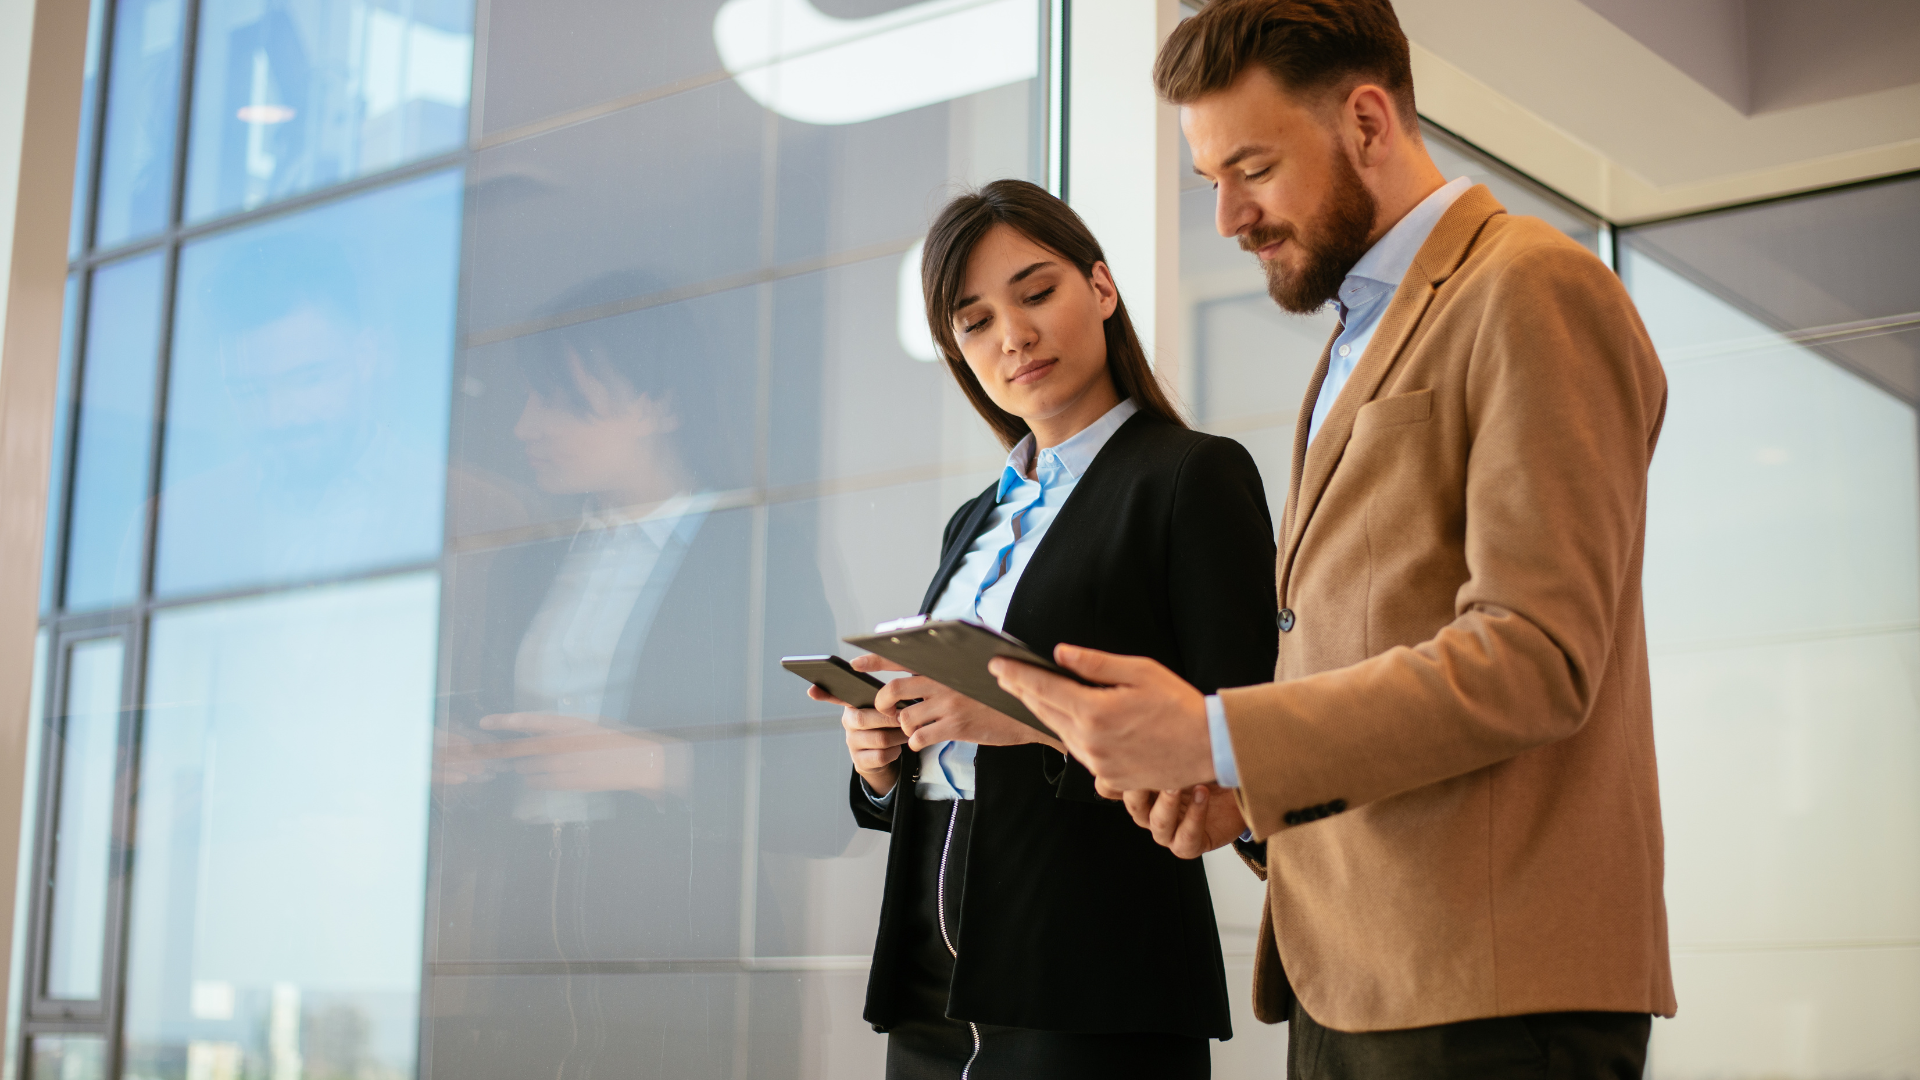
[1232, 211]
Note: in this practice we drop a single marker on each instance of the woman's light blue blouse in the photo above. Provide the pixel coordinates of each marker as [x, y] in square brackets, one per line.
[982, 586]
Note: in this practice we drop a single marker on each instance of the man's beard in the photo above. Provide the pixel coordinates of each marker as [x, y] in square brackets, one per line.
[1336, 238]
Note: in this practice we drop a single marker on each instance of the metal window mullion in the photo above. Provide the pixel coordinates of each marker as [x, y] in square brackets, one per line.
[103, 84]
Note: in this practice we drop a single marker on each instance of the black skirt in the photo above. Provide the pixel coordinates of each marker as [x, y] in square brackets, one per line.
[926, 1044]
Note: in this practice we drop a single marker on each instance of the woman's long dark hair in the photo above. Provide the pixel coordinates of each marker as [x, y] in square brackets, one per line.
[1029, 210]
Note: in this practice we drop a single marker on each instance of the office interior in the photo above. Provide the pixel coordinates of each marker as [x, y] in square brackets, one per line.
[312, 304]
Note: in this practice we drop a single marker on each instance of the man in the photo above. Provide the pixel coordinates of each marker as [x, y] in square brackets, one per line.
[1450, 785]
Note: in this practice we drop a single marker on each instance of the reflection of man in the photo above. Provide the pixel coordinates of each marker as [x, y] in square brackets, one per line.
[593, 783]
[283, 461]
[1453, 773]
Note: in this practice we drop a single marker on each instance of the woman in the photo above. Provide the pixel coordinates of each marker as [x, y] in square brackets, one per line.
[1029, 928]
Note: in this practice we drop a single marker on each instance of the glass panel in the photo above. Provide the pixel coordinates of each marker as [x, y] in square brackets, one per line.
[293, 96]
[1783, 615]
[306, 412]
[68, 1057]
[89, 117]
[276, 919]
[83, 821]
[62, 430]
[1515, 192]
[114, 447]
[143, 99]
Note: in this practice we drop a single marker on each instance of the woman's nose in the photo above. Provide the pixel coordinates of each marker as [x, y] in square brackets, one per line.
[1020, 335]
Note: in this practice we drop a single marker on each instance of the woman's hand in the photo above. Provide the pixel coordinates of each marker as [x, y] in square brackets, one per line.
[931, 713]
[873, 739]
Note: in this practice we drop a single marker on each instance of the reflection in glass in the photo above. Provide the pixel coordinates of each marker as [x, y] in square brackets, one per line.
[83, 820]
[293, 96]
[89, 115]
[307, 403]
[593, 780]
[113, 447]
[67, 1057]
[143, 95]
[62, 427]
[276, 915]
[1783, 618]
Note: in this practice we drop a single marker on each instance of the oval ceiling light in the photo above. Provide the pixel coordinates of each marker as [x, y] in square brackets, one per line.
[910, 317]
[812, 67]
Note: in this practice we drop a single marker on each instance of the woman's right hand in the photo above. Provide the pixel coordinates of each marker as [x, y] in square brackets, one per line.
[874, 739]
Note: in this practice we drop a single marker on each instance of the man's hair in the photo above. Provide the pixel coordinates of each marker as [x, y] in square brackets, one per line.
[1311, 47]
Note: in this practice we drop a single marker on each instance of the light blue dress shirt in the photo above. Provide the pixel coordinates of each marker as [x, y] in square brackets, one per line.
[1363, 297]
[982, 586]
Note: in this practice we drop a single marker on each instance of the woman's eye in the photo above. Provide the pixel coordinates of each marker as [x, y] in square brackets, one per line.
[1041, 295]
[968, 328]
[1259, 174]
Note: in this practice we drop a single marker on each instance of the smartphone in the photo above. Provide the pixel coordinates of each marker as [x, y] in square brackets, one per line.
[836, 677]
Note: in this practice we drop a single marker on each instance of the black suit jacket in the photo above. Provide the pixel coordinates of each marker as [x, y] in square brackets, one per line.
[1072, 918]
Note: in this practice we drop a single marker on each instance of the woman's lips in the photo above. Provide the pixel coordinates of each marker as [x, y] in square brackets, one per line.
[1032, 371]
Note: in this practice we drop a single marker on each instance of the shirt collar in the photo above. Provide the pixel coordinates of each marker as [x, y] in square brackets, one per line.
[1388, 260]
[1074, 456]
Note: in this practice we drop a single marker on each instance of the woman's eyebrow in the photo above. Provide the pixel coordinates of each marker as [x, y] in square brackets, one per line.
[1022, 275]
[960, 304]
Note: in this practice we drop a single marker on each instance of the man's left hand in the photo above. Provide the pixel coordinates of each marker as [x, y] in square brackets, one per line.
[1143, 727]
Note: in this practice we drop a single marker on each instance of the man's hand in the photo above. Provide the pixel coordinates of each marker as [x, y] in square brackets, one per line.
[1189, 823]
[1144, 727]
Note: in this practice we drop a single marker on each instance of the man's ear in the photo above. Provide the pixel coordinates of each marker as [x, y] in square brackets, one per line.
[1374, 125]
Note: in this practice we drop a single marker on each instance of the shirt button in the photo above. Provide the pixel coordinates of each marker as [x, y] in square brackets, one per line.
[1345, 349]
[1286, 619]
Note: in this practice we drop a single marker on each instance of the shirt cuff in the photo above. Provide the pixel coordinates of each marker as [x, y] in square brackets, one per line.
[1225, 772]
[879, 801]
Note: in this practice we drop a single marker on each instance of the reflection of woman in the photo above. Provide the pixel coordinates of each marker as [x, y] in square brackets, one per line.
[1029, 928]
[595, 788]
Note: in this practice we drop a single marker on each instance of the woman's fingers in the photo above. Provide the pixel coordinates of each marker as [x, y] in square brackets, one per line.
[911, 688]
[871, 662]
[852, 718]
[818, 694]
[874, 738]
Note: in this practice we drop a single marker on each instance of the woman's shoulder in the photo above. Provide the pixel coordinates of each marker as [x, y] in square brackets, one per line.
[1154, 444]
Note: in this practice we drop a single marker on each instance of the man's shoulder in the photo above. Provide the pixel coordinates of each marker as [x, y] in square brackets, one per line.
[1520, 239]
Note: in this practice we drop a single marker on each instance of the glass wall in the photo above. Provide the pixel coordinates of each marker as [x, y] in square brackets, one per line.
[1783, 617]
[694, 432]
[242, 591]
[460, 412]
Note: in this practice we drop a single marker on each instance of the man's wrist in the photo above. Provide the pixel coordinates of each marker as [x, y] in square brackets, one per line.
[1226, 771]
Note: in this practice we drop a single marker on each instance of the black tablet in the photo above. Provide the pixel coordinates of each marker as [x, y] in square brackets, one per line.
[955, 653]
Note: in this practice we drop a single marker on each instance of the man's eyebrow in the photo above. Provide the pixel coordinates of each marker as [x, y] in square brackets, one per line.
[1235, 158]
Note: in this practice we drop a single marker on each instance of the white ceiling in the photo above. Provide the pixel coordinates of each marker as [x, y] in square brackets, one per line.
[1646, 108]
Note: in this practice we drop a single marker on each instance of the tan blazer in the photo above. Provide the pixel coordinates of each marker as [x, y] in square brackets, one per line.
[1454, 769]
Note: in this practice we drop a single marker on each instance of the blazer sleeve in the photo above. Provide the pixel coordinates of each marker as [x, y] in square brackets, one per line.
[1564, 398]
[1221, 567]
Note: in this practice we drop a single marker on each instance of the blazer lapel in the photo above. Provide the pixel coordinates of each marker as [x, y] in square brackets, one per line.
[1442, 253]
[963, 539]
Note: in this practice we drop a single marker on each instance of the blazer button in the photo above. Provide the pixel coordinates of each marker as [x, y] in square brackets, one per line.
[1286, 619]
